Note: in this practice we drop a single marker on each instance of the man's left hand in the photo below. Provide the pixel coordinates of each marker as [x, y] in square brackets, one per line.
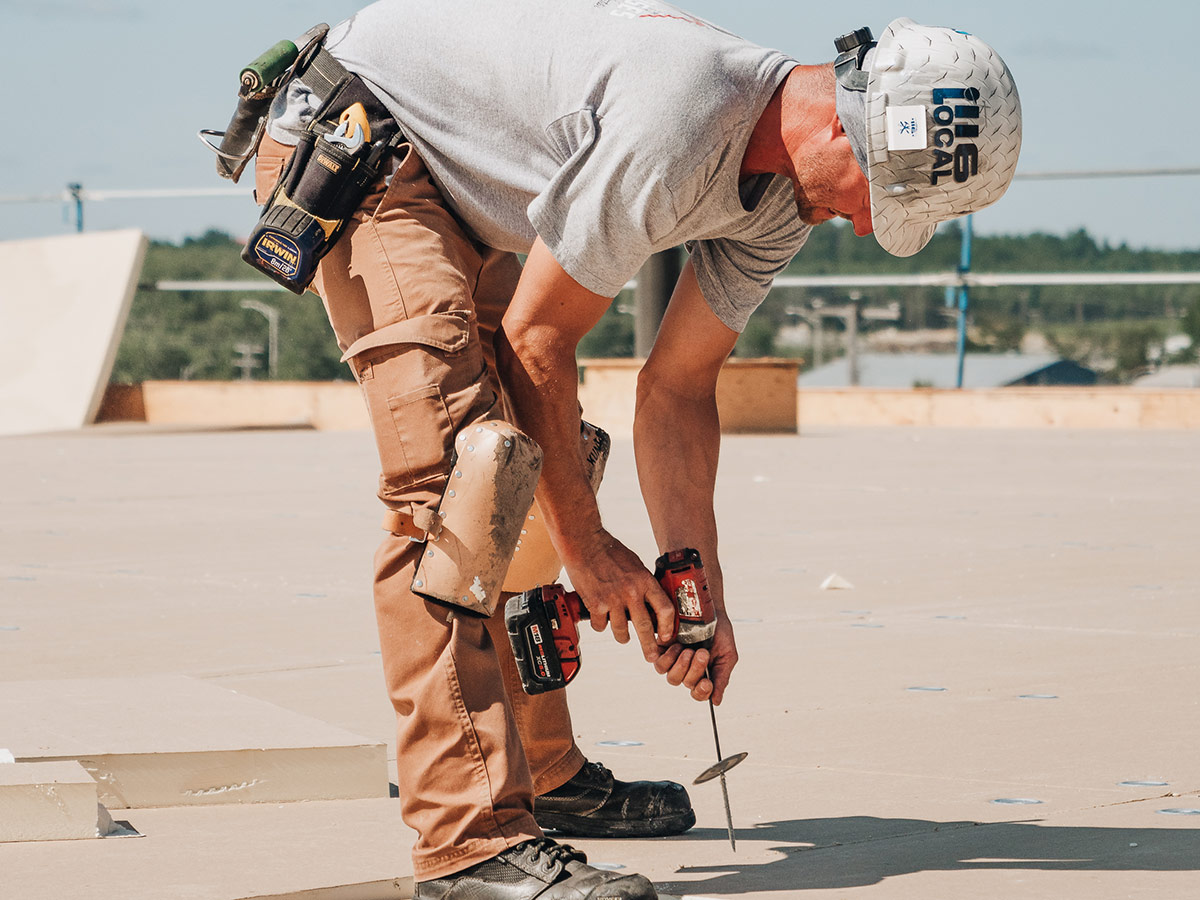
[690, 667]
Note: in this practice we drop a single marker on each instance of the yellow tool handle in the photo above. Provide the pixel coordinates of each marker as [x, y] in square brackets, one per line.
[357, 117]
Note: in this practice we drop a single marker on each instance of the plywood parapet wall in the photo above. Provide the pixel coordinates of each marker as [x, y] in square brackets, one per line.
[760, 400]
[325, 406]
[754, 396]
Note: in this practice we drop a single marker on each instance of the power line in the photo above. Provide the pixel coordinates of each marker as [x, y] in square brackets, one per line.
[66, 195]
[100, 195]
[985, 279]
[167, 193]
[1104, 173]
[233, 286]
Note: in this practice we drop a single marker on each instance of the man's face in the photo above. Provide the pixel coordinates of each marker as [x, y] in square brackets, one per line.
[854, 209]
[830, 186]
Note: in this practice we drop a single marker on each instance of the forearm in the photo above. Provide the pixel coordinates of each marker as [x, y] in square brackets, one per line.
[677, 432]
[540, 374]
[535, 353]
[677, 442]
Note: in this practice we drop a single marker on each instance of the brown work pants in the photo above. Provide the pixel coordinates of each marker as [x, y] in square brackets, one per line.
[415, 304]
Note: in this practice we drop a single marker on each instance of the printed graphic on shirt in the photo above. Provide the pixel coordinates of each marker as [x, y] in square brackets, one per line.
[647, 9]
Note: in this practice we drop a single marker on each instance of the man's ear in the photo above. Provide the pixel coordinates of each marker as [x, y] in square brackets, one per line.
[837, 135]
[837, 129]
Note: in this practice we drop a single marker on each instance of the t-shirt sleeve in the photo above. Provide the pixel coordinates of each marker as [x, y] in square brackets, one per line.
[735, 271]
[603, 211]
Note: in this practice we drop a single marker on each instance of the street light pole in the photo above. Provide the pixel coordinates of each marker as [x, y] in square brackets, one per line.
[272, 316]
[75, 191]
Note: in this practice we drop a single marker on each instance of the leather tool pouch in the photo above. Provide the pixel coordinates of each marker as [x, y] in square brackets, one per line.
[333, 167]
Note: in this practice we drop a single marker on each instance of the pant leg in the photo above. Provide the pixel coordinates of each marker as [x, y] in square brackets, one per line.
[543, 720]
[464, 779]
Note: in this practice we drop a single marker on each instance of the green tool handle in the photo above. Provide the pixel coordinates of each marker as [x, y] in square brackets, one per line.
[259, 75]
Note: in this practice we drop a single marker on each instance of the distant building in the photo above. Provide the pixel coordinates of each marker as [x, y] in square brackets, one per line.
[939, 370]
[1170, 377]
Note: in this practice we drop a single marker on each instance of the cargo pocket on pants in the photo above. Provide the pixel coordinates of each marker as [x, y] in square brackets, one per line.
[422, 379]
[422, 433]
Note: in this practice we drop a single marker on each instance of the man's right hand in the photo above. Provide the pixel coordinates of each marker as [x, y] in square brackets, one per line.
[618, 591]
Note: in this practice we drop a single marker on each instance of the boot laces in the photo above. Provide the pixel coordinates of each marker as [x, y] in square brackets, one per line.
[552, 851]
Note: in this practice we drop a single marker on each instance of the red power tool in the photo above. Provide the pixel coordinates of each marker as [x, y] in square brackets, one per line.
[543, 624]
[543, 627]
[681, 575]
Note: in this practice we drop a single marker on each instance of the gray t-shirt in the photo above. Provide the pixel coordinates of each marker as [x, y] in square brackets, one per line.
[612, 129]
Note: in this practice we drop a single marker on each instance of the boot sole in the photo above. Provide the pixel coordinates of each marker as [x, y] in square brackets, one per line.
[629, 887]
[586, 826]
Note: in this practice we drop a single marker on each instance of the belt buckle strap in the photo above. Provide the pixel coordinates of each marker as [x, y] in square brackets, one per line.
[418, 526]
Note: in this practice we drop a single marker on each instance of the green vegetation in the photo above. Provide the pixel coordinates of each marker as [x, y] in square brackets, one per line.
[193, 335]
[613, 334]
[1115, 329]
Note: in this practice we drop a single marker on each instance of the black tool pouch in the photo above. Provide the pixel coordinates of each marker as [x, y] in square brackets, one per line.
[319, 189]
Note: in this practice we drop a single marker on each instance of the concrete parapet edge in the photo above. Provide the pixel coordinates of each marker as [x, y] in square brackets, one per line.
[1033, 407]
[753, 397]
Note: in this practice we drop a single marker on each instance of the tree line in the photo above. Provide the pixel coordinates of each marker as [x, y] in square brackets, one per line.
[195, 335]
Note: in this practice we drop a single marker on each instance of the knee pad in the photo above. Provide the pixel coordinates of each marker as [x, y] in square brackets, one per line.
[478, 523]
[535, 561]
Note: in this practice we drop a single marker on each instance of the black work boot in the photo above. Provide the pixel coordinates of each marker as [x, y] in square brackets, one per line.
[540, 869]
[594, 804]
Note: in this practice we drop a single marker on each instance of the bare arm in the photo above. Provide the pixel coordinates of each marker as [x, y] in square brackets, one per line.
[549, 314]
[677, 436]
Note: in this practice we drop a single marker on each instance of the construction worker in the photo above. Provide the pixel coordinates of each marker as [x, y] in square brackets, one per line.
[589, 134]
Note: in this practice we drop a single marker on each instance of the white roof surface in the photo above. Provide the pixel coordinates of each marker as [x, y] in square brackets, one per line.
[906, 370]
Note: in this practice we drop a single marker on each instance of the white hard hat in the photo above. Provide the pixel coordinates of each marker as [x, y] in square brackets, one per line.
[935, 122]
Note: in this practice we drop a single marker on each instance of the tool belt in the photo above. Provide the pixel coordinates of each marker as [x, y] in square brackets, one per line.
[340, 156]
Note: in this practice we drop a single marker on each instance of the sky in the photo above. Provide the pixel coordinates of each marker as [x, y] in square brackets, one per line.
[110, 93]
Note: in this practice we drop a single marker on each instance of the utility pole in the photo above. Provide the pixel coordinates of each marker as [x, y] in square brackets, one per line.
[815, 317]
[246, 361]
[272, 316]
[818, 333]
[655, 282]
[964, 266]
[852, 314]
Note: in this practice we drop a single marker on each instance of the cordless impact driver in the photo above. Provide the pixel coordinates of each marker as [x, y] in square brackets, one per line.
[543, 624]
[543, 627]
